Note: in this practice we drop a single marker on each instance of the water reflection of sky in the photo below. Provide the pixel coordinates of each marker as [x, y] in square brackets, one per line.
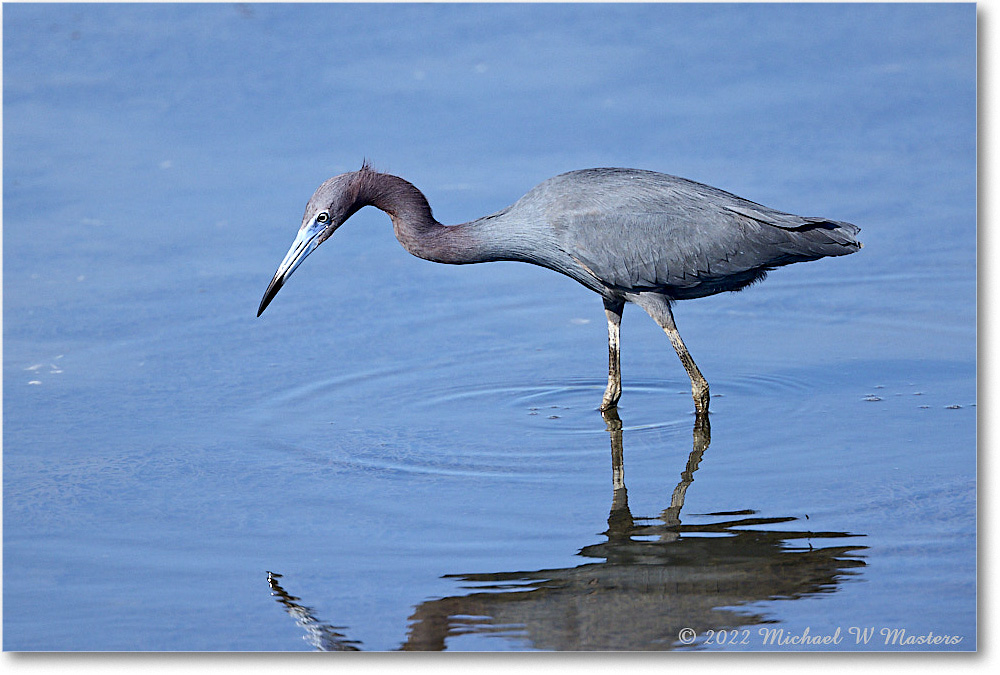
[391, 428]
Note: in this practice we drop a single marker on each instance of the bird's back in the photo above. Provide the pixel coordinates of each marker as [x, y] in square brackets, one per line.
[633, 230]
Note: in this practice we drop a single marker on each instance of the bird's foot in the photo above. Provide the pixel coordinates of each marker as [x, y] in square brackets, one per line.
[699, 391]
[611, 397]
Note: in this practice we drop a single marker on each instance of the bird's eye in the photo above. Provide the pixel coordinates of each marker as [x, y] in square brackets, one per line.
[323, 217]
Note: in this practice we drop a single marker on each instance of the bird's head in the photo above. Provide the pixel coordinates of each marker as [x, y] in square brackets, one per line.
[334, 201]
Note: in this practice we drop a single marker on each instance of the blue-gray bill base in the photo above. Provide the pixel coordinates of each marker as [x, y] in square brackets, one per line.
[629, 235]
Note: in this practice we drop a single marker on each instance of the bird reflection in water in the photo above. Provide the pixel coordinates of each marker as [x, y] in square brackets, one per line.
[655, 576]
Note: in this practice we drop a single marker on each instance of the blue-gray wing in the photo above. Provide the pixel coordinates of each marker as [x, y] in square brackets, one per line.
[646, 231]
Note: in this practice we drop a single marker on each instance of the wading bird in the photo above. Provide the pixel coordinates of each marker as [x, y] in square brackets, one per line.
[627, 234]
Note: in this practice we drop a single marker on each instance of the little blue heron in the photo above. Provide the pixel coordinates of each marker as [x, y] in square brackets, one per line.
[629, 235]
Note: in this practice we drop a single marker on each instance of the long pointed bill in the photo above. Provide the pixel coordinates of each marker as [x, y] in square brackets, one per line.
[305, 243]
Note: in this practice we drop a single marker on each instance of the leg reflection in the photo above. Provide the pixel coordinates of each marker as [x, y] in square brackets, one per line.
[702, 437]
[620, 521]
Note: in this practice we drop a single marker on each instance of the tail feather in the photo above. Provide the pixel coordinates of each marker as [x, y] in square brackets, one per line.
[819, 238]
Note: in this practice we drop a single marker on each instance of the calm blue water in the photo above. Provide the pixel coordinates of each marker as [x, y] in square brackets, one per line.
[415, 448]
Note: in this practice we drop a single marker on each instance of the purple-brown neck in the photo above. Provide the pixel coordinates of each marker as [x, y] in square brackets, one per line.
[412, 219]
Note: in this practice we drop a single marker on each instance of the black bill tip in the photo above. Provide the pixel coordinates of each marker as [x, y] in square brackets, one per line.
[272, 290]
